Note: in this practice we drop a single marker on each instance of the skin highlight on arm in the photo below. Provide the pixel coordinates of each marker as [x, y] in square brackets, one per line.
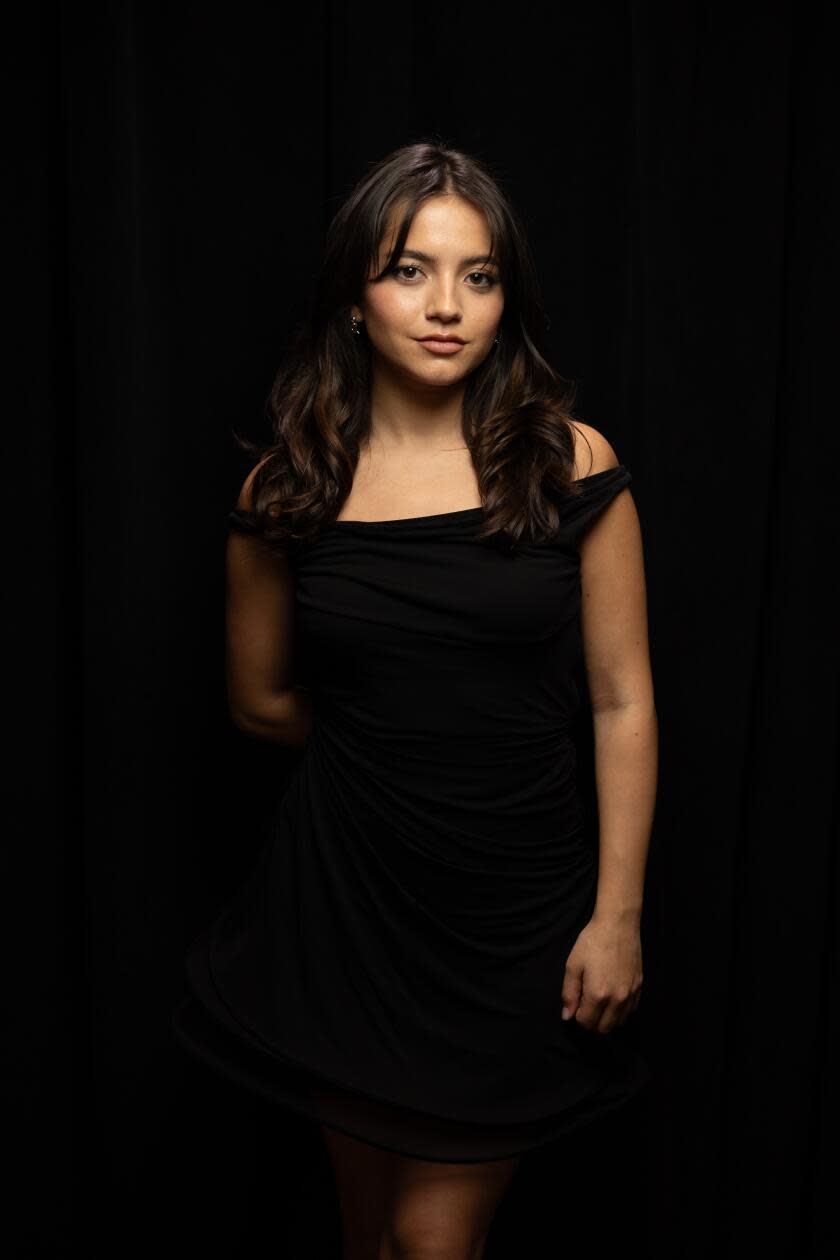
[604, 973]
[263, 699]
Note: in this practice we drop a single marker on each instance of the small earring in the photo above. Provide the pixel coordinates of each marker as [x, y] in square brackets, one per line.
[355, 324]
[496, 339]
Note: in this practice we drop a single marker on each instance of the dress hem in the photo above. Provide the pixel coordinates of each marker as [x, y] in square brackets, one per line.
[205, 1025]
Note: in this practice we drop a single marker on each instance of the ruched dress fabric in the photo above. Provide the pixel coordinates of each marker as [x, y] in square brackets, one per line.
[393, 965]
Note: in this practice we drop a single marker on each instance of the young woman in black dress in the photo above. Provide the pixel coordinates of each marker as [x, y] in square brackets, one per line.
[417, 561]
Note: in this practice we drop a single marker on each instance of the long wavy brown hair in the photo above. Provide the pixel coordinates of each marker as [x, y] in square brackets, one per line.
[517, 410]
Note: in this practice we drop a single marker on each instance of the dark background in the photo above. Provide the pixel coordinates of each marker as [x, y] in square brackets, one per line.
[176, 166]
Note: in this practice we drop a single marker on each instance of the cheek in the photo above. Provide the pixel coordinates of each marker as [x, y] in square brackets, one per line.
[392, 310]
[490, 312]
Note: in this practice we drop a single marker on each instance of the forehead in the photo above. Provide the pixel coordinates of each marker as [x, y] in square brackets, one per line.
[445, 226]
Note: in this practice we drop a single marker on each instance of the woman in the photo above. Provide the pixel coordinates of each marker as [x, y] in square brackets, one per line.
[434, 959]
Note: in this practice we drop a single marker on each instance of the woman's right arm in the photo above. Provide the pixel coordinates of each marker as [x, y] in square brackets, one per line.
[259, 620]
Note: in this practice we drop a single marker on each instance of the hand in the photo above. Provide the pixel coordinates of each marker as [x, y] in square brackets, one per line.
[602, 985]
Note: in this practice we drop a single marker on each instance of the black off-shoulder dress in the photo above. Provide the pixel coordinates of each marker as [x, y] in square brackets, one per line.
[393, 965]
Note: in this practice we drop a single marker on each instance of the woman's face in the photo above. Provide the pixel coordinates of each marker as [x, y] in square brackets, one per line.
[453, 289]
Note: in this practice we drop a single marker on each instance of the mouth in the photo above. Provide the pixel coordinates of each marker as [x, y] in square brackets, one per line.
[442, 344]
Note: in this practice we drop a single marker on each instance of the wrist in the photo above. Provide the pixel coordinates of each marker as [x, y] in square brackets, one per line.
[621, 915]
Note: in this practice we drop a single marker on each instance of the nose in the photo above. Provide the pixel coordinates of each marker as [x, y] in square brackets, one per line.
[443, 302]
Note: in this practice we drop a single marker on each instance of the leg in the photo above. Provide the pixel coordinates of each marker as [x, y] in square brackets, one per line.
[443, 1211]
[362, 1177]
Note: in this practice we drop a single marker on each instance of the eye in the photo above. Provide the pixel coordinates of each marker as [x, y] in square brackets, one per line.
[487, 279]
[406, 267]
[486, 275]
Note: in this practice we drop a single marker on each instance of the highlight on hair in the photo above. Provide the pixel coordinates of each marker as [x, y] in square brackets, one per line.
[516, 416]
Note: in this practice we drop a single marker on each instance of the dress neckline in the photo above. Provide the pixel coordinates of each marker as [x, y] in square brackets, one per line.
[458, 513]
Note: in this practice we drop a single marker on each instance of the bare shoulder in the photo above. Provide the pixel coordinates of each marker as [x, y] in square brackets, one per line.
[593, 453]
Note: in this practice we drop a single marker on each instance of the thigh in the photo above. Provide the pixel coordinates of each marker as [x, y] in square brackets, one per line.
[362, 1180]
[443, 1210]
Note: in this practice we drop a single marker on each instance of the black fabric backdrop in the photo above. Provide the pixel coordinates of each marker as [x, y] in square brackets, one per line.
[176, 166]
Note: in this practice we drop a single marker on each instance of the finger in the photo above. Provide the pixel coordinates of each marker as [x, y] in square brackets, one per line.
[609, 1020]
[617, 1010]
[627, 1008]
[571, 993]
[590, 1012]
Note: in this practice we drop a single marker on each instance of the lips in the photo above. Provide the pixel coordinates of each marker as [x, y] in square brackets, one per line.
[459, 340]
[437, 345]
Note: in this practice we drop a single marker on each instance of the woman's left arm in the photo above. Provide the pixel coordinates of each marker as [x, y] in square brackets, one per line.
[603, 978]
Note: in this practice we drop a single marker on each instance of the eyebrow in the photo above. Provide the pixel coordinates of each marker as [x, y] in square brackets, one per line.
[465, 262]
